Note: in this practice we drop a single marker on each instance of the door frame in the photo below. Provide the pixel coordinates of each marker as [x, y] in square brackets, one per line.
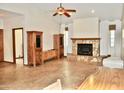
[14, 44]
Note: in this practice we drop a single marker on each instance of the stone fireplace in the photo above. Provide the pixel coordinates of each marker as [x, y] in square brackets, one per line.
[83, 46]
[85, 50]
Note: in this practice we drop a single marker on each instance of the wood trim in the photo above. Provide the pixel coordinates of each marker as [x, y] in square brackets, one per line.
[14, 45]
[58, 34]
[2, 45]
[34, 55]
[34, 31]
[85, 38]
[14, 51]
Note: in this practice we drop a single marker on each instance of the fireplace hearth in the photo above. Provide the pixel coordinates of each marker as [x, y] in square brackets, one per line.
[85, 49]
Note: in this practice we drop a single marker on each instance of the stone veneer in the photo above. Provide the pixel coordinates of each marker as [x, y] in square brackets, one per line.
[96, 58]
[94, 41]
[86, 59]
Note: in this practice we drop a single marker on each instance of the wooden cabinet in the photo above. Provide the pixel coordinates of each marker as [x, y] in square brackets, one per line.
[1, 46]
[50, 54]
[59, 44]
[35, 46]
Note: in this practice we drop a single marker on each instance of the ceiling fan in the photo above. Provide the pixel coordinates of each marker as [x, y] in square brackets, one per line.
[62, 11]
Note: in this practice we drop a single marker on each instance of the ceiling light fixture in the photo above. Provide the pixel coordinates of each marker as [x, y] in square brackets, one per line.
[60, 10]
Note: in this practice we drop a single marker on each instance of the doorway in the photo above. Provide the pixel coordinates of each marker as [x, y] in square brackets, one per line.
[18, 46]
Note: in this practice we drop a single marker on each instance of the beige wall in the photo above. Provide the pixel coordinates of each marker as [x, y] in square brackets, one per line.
[86, 28]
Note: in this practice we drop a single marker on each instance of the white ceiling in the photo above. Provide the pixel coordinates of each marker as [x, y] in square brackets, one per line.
[7, 14]
[104, 11]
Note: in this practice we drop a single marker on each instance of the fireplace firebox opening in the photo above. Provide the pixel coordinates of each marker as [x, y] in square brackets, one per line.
[85, 49]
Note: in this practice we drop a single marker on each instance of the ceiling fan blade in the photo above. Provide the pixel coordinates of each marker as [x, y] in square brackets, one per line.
[70, 10]
[66, 14]
[55, 14]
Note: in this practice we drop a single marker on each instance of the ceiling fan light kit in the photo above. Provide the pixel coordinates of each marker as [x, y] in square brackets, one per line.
[62, 11]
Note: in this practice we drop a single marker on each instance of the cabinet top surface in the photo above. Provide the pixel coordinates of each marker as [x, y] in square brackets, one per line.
[34, 32]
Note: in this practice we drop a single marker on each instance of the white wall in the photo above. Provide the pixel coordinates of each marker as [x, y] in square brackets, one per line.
[35, 20]
[86, 28]
[81, 28]
[122, 48]
[70, 33]
[104, 35]
[105, 48]
[1, 23]
[118, 39]
[67, 37]
[9, 24]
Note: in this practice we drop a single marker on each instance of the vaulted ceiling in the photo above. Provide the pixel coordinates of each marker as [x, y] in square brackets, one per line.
[7, 14]
[104, 11]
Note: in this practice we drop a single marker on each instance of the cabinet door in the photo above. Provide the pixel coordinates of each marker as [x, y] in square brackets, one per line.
[38, 50]
[38, 56]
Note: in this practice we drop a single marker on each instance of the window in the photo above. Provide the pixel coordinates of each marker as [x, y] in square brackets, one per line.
[112, 38]
[112, 35]
[65, 42]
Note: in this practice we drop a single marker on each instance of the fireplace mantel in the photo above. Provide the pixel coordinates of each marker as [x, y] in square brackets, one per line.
[85, 38]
